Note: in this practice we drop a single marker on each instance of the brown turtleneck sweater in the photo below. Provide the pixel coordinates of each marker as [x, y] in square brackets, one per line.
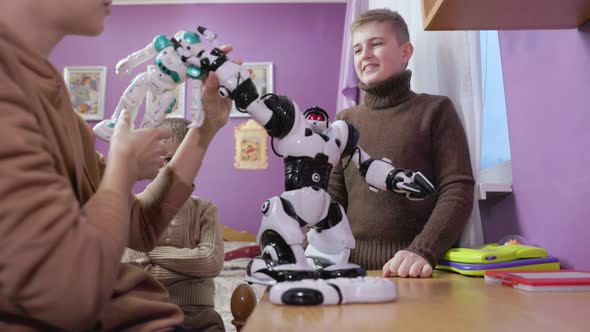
[419, 132]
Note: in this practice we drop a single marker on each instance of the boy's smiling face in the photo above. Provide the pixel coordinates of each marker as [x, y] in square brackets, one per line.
[377, 53]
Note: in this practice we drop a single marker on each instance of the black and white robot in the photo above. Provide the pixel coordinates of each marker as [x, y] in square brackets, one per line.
[310, 147]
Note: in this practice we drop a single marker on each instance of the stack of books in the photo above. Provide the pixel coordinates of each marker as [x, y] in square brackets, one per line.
[496, 257]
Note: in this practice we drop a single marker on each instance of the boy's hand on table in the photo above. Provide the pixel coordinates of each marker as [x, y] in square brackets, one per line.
[407, 264]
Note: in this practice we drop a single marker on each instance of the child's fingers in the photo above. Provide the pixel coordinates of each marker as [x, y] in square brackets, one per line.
[226, 48]
[238, 61]
[386, 270]
[426, 271]
[404, 268]
[124, 120]
[163, 133]
[211, 83]
[416, 269]
[394, 264]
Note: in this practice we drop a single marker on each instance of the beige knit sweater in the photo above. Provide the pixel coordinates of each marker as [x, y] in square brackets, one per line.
[189, 254]
[418, 132]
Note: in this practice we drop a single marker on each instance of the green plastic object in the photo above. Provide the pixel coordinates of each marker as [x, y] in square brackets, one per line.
[494, 253]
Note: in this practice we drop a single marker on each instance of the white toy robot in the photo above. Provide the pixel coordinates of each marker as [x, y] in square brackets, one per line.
[310, 148]
[175, 62]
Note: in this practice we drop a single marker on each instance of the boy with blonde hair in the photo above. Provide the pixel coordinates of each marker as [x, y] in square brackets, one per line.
[415, 131]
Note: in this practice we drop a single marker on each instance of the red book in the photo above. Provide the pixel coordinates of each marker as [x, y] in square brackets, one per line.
[542, 281]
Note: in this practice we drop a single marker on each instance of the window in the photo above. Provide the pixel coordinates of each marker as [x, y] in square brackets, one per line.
[495, 146]
[496, 167]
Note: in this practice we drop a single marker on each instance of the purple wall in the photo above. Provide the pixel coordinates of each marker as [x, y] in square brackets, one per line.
[303, 41]
[547, 83]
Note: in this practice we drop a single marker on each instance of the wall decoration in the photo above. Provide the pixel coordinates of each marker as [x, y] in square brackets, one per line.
[251, 148]
[86, 86]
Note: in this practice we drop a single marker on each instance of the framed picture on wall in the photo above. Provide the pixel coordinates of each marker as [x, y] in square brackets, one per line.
[263, 79]
[86, 86]
[179, 94]
[251, 150]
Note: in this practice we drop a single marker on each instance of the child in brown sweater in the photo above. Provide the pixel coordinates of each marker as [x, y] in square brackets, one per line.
[416, 131]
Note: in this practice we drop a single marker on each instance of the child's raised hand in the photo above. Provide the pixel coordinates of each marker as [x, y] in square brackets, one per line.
[139, 151]
[407, 264]
[217, 109]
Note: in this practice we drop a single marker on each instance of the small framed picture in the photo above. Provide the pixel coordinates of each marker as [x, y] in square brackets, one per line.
[86, 86]
[251, 150]
[179, 94]
[263, 79]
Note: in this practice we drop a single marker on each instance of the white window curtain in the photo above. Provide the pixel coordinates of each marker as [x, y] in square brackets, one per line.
[448, 63]
[348, 91]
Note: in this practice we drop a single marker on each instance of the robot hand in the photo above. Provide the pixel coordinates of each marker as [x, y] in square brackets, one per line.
[123, 67]
[382, 175]
[413, 185]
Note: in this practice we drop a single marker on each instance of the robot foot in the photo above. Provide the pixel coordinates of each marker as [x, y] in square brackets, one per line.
[329, 270]
[353, 272]
[104, 129]
[333, 291]
[269, 272]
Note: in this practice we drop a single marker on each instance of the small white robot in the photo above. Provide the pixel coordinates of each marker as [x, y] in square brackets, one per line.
[175, 62]
[310, 147]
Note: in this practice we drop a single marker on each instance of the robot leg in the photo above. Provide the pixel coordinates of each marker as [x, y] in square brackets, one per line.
[197, 113]
[159, 108]
[281, 239]
[330, 244]
[130, 100]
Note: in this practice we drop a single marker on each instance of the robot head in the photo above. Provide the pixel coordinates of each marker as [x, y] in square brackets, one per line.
[190, 43]
[317, 118]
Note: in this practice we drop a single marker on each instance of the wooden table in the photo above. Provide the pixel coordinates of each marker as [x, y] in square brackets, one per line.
[446, 302]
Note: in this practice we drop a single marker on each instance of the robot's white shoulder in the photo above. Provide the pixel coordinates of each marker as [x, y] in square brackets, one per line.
[345, 135]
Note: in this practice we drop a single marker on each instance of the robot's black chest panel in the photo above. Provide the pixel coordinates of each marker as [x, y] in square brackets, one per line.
[307, 172]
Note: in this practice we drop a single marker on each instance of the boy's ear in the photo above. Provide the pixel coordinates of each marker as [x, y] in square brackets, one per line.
[407, 51]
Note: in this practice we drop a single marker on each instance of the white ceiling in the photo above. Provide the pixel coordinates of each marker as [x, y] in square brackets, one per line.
[159, 2]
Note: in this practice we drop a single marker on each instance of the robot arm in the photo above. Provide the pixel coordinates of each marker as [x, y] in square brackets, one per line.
[276, 113]
[126, 65]
[380, 174]
[209, 36]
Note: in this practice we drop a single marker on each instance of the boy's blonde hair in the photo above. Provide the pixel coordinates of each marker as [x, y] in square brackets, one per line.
[178, 126]
[397, 22]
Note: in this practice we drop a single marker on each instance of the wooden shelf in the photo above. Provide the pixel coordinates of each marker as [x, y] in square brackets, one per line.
[495, 181]
[504, 14]
[488, 190]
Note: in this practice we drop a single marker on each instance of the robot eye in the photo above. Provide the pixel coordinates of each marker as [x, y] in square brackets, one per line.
[320, 117]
